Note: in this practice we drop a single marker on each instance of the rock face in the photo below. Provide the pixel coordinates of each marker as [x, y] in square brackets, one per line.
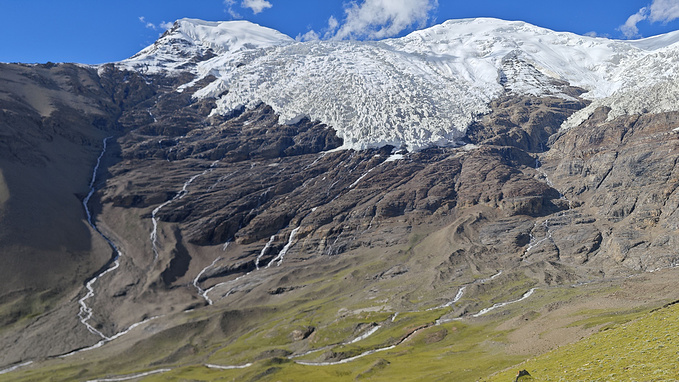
[195, 202]
[523, 376]
[622, 176]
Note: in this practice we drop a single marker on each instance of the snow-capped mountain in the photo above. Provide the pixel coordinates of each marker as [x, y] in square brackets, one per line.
[190, 41]
[136, 207]
[420, 90]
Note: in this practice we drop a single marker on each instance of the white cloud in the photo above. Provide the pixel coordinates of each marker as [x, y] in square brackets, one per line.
[229, 9]
[162, 26]
[257, 6]
[664, 11]
[308, 36]
[234, 14]
[629, 28]
[149, 25]
[327, 32]
[375, 19]
[660, 11]
[333, 24]
[596, 34]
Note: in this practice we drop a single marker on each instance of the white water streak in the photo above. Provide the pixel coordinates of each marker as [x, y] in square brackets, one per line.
[409, 336]
[361, 178]
[118, 335]
[85, 313]
[129, 377]
[538, 167]
[221, 179]
[285, 249]
[92, 181]
[457, 298]
[15, 367]
[205, 294]
[491, 278]
[323, 154]
[460, 293]
[363, 336]
[179, 195]
[367, 353]
[263, 252]
[346, 360]
[278, 258]
[218, 367]
[533, 243]
[502, 304]
[195, 281]
[109, 339]
[366, 334]
[154, 232]
[364, 354]
[292, 357]
[95, 346]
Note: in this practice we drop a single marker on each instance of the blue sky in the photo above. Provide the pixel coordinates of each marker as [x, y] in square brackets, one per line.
[97, 31]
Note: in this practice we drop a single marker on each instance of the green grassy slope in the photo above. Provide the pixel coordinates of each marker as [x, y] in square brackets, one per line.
[180, 347]
[646, 349]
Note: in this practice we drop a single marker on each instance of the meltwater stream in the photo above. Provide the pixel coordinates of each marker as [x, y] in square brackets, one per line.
[178, 196]
[86, 313]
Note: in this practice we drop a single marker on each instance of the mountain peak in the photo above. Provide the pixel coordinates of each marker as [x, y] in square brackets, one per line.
[229, 36]
[191, 41]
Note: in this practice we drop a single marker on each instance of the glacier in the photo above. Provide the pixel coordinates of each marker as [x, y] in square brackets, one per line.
[417, 91]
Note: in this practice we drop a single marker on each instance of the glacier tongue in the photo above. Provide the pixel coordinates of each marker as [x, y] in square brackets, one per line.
[421, 90]
[370, 93]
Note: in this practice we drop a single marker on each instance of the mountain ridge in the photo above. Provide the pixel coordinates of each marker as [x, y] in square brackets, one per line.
[346, 84]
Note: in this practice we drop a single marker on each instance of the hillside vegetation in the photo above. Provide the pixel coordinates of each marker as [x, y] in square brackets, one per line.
[646, 349]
